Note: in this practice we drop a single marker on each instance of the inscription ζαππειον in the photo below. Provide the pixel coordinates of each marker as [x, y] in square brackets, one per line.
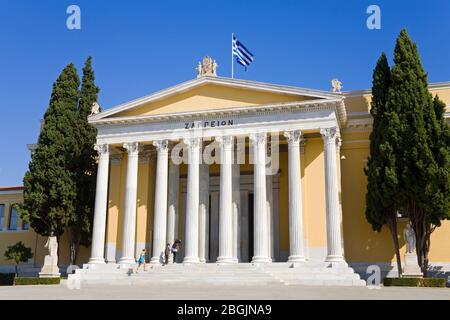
[210, 124]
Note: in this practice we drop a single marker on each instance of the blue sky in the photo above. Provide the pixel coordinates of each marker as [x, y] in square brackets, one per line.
[142, 46]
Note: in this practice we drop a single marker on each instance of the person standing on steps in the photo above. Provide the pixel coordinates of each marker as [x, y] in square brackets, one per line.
[175, 249]
[141, 260]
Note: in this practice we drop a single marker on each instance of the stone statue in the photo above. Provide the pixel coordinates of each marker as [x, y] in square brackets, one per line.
[208, 67]
[215, 65]
[52, 245]
[95, 108]
[50, 267]
[199, 69]
[336, 85]
[410, 238]
[411, 266]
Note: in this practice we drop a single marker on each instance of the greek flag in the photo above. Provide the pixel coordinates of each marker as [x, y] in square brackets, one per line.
[243, 56]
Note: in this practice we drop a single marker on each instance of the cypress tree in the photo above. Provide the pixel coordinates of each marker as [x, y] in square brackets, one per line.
[437, 206]
[86, 166]
[418, 169]
[381, 170]
[50, 186]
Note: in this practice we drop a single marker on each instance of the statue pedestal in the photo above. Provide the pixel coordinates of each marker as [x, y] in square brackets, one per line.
[411, 268]
[50, 268]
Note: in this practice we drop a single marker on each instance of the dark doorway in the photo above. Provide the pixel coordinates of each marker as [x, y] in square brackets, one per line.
[250, 226]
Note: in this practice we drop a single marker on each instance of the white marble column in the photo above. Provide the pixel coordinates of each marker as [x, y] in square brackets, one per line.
[269, 205]
[203, 213]
[101, 199]
[172, 202]
[334, 240]
[129, 222]
[192, 201]
[297, 253]
[261, 243]
[236, 207]
[226, 201]
[160, 212]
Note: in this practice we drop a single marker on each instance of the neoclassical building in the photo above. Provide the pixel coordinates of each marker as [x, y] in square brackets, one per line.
[241, 172]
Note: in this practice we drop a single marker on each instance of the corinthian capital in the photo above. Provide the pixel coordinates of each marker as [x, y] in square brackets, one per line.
[225, 141]
[102, 149]
[132, 148]
[293, 137]
[258, 138]
[330, 135]
[192, 142]
[161, 145]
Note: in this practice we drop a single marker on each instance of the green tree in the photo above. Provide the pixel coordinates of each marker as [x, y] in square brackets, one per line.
[50, 185]
[86, 166]
[437, 206]
[417, 167]
[18, 253]
[381, 170]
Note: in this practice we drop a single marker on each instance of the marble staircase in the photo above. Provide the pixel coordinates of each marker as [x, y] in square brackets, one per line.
[307, 274]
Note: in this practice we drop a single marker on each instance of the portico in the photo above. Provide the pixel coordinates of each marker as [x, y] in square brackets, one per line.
[236, 140]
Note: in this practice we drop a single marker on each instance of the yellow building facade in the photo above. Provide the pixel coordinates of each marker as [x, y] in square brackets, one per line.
[239, 171]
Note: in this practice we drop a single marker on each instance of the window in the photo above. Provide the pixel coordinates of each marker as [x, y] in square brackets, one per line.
[2, 216]
[25, 226]
[13, 219]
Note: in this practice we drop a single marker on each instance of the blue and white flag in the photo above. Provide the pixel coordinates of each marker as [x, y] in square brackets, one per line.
[243, 56]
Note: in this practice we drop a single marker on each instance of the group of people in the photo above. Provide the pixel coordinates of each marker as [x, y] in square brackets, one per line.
[174, 249]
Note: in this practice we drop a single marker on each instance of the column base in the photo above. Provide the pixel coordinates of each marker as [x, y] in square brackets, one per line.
[296, 259]
[191, 260]
[336, 262]
[225, 260]
[334, 258]
[96, 261]
[261, 259]
[156, 261]
[201, 260]
[126, 261]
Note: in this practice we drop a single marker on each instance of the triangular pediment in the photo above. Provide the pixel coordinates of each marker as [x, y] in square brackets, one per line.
[212, 93]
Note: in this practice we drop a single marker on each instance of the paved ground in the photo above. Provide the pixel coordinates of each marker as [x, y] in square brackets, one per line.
[197, 292]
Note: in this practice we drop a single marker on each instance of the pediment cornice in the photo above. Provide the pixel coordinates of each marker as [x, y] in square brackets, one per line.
[227, 82]
[337, 105]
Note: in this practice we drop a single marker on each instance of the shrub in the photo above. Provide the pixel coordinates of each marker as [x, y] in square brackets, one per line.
[415, 282]
[35, 281]
[18, 253]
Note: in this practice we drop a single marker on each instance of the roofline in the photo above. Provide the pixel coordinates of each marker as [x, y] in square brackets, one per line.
[434, 85]
[7, 188]
[339, 102]
[11, 190]
[184, 86]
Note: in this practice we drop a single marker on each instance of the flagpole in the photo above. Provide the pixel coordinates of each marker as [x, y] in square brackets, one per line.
[232, 57]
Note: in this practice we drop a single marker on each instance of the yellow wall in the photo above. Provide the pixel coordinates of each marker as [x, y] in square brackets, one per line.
[361, 243]
[32, 239]
[8, 238]
[315, 210]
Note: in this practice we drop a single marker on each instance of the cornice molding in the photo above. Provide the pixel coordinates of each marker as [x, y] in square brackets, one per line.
[236, 83]
[300, 106]
[365, 92]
